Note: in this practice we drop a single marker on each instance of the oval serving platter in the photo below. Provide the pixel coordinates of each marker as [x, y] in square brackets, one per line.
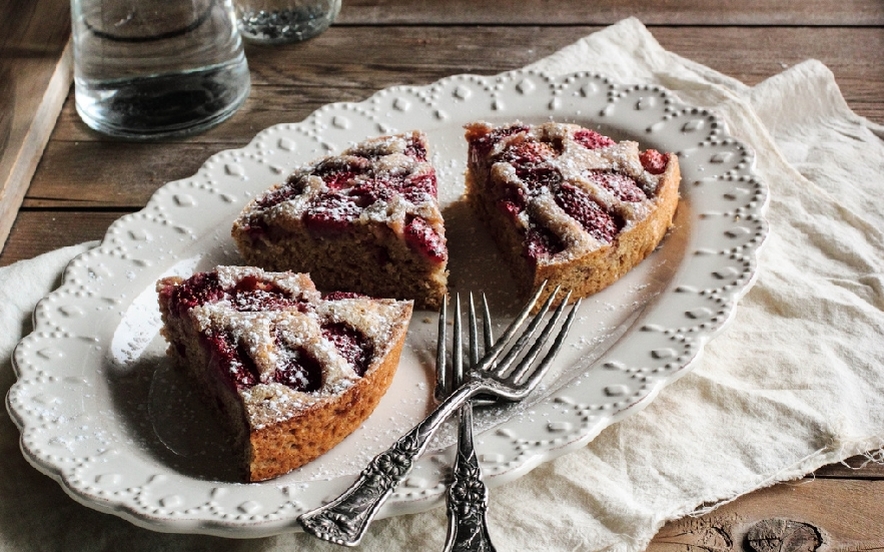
[101, 412]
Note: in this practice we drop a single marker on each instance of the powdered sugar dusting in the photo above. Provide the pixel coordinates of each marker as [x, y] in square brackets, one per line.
[384, 180]
[271, 330]
[536, 162]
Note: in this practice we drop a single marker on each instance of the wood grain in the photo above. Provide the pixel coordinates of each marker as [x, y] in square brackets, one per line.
[37, 232]
[844, 514]
[603, 12]
[291, 81]
[350, 73]
[36, 68]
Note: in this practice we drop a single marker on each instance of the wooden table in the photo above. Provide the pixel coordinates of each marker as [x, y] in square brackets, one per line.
[73, 189]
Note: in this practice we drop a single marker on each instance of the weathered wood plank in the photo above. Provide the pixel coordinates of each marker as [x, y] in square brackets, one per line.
[685, 12]
[800, 516]
[120, 175]
[290, 81]
[28, 27]
[37, 232]
[66, 178]
[35, 74]
[857, 467]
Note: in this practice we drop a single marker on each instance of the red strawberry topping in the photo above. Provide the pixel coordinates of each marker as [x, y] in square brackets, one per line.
[653, 161]
[420, 236]
[338, 174]
[584, 209]
[339, 180]
[331, 212]
[351, 344]
[417, 187]
[297, 370]
[240, 368]
[369, 191]
[252, 295]
[528, 153]
[513, 202]
[591, 139]
[622, 186]
[416, 150]
[541, 242]
[484, 142]
[200, 289]
[541, 176]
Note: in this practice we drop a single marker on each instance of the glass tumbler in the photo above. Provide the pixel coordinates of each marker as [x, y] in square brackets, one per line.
[281, 21]
[154, 68]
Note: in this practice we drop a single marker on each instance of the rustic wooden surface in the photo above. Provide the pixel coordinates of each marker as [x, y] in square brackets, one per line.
[83, 181]
[35, 75]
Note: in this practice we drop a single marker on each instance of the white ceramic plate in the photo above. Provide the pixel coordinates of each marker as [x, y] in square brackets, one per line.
[101, 412]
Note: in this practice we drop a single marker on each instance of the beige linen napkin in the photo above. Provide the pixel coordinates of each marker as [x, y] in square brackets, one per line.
[793, 383]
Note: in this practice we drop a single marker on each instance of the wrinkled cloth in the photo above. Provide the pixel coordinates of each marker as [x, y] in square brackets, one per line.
[794, 382]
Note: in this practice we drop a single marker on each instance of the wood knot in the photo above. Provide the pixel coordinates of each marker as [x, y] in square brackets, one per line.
[783, 535]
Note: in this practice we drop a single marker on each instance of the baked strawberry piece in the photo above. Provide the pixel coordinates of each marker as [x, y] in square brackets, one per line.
[568, 204]
[366, 221]
[290, 371]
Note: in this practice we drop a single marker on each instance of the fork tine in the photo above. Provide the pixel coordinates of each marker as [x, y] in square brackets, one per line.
[441, 353]
[491, 354]
[456, 372]
[542, 339]
[527, 335]
[556, 346]
[474, 333]
[486, 325]
[488, 342]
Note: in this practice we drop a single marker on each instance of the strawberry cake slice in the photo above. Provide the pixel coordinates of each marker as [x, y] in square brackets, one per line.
[290, 371]
[567, 204]
[366, 221]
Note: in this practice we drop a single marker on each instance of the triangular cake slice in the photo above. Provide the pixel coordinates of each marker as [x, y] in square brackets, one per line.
[567, 204]
[366, 221]
[292, 372]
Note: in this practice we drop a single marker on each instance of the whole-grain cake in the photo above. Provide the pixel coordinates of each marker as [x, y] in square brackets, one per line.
[567, 204]
[366, 221]
[292, 372]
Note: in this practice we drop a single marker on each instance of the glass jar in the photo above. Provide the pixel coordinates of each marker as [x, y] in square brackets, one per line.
[282, 21]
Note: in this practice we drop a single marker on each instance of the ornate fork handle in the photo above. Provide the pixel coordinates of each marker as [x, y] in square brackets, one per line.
[467, 496]
[344, 520]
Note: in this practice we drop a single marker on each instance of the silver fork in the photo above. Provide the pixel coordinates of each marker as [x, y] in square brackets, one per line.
[467, 495]
[345, 519]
